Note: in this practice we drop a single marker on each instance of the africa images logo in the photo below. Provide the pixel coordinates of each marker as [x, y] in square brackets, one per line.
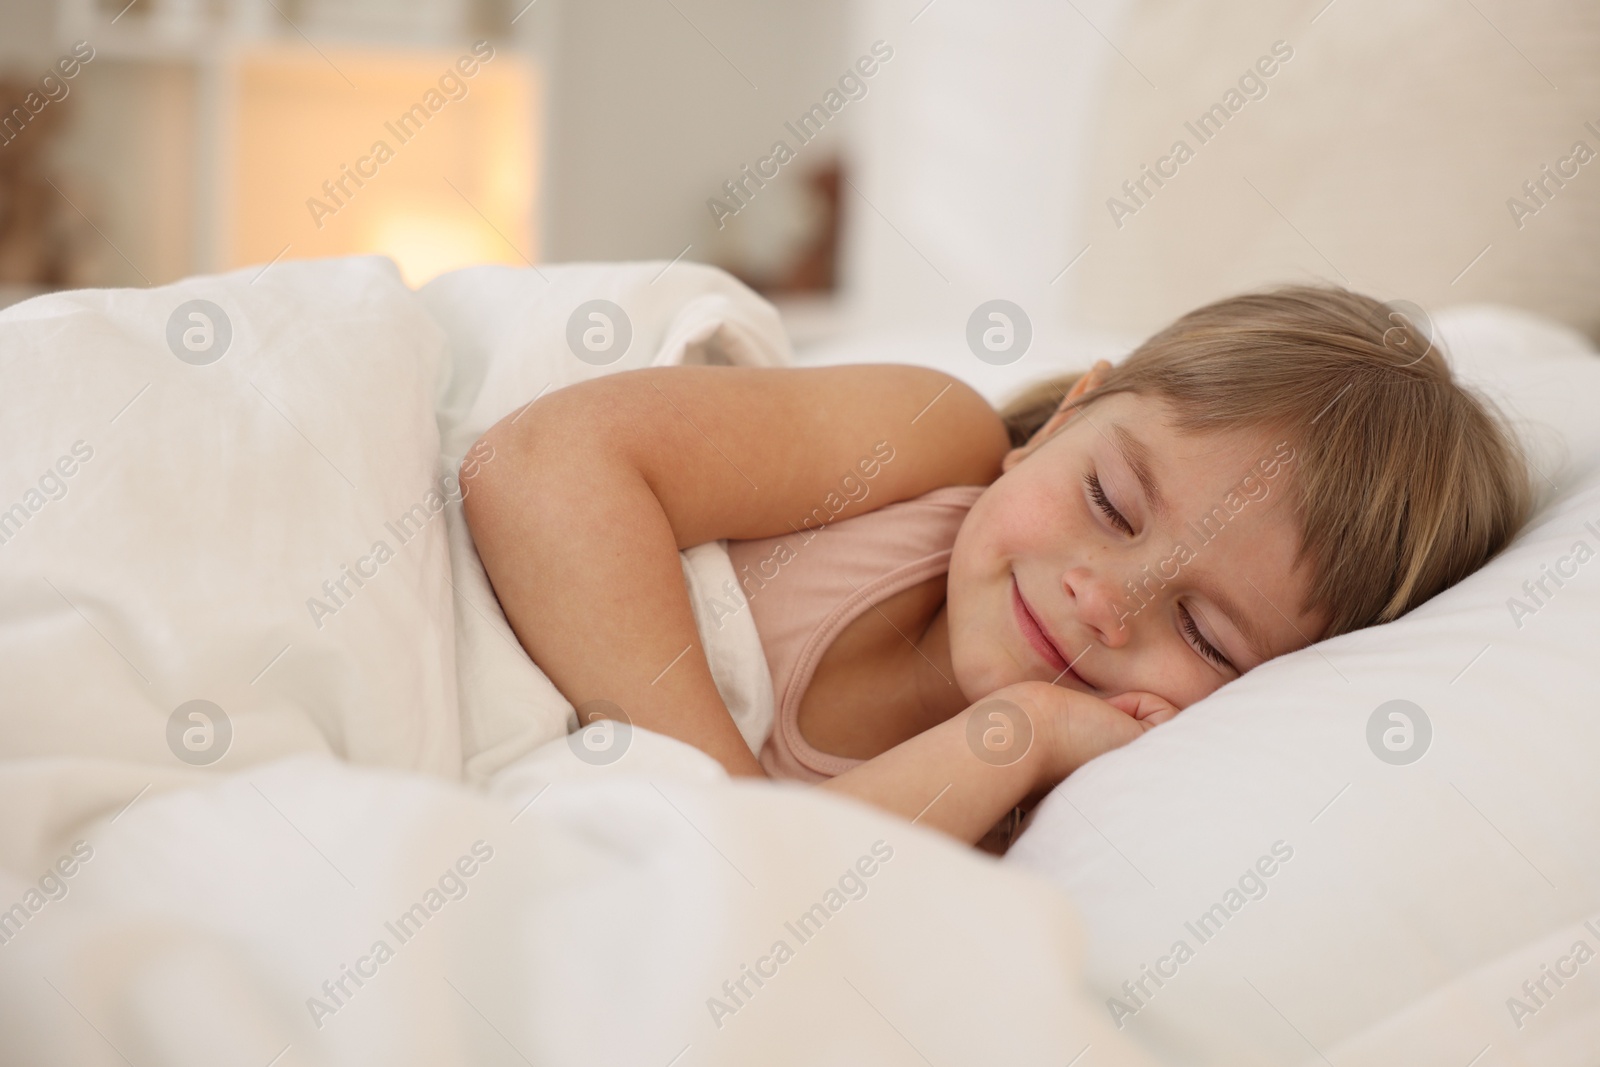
[852, 86]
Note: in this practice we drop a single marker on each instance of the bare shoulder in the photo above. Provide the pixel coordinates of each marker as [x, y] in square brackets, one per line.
[748, 452]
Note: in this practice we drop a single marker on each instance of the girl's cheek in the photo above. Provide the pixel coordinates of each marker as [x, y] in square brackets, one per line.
[1033, 517]
[1052, 511]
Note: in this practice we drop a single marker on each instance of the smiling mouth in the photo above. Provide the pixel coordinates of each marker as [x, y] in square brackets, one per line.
[1034, 632]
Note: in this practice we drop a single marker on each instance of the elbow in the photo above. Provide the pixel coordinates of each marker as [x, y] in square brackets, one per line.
[498, 473]
[543, 445]
[496, 456]
[475, 476]
[508, 448]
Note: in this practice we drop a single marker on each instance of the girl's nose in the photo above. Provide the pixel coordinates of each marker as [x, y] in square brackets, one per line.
[1100, 605]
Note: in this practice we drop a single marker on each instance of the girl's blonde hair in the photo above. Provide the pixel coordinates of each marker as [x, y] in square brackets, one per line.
[1404, 481]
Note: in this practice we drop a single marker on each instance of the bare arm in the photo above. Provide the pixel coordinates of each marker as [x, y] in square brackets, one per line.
[595, 488]
[591, 583]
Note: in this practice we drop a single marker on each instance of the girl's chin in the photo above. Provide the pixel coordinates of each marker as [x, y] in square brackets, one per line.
[1003, 671]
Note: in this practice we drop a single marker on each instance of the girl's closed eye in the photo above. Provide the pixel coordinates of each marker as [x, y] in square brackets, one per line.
[1199, 642]
[1103, 502]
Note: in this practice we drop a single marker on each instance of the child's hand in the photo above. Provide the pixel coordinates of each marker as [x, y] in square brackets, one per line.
[1146, 707]
[1077, 727]
[992, 758]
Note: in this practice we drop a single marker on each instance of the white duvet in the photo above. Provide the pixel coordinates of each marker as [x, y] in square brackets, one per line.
[372, 842]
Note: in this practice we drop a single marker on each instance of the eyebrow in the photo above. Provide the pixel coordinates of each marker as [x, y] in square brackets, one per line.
[1137, 456]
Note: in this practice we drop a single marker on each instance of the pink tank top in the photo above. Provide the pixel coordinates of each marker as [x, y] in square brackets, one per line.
[804, 588]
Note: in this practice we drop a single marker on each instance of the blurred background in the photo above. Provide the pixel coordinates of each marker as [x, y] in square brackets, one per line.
[877, 168]
[200, 134]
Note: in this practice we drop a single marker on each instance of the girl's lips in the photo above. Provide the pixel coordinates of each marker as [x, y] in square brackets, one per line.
[1033, 631]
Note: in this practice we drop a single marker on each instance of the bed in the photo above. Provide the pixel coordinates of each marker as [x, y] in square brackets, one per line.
[281, 787]
[277, 795]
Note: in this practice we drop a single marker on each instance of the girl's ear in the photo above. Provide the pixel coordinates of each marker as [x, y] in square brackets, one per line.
[1091, 379]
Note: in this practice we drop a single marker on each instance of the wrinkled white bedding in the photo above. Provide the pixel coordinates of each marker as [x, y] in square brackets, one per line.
[304, 874]
[568, 924]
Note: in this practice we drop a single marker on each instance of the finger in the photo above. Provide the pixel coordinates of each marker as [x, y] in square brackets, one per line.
[1128, 703]
[1150, 706]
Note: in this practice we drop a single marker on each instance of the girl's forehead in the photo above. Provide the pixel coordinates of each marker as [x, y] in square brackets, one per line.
[1144, 433]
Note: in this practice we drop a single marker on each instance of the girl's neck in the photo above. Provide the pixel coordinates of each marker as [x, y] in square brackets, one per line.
[933, 672]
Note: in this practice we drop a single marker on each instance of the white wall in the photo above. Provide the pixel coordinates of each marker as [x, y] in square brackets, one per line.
[25, 33]
[647, 120]
[971, 159]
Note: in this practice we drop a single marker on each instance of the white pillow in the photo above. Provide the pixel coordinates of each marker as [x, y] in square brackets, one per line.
[967, 161]
[1418, 898]
[177, 490]
[946, 350]
[512, 334]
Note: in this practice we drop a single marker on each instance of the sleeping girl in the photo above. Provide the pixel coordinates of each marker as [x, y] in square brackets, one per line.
[960, 607]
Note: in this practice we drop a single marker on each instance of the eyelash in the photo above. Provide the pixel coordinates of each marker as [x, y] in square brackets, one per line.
[1204, 645]
[1201, 645]
[1097, 491]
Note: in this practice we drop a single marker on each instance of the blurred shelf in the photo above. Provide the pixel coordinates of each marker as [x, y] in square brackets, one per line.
[187, 31]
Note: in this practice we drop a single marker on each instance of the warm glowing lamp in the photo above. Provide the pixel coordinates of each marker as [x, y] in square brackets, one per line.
[425, 156]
